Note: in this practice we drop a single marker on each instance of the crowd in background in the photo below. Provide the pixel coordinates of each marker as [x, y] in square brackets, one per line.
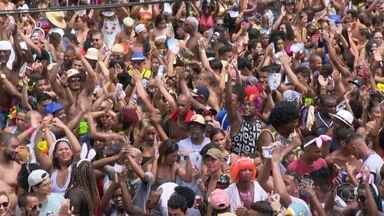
[195, 107]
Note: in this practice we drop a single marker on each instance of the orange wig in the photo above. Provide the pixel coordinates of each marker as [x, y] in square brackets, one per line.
[242, 164]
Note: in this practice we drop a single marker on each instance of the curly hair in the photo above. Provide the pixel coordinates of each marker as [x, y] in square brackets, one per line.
[283, 113]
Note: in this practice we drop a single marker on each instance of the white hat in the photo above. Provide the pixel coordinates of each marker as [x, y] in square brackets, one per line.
[36, 177]
[344, 116]
[140, 28]
[57, 30]
[72, 72]
[108, 13]
[6, 45]
[128, 21]
[92, 54]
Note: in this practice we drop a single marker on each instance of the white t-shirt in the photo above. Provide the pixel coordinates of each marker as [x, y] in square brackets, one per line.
[259, 194]
[374, 163]
[186, 147]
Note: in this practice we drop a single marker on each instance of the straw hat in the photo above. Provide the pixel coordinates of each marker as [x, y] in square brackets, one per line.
[92, 54]
[118, 48]
[57, 19]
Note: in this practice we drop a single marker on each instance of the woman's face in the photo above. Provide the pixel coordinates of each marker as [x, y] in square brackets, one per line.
[4, 205]
[304, 18]
[280, 45]
[264, 40]
[162, 24]
[245, 175]
[63, 152]
[213, 165]
[219, 140]
[259, 49]
[375, 112]
[171, 158]
[149, 135]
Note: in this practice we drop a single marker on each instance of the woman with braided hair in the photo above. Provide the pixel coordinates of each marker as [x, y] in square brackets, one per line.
[82, 191]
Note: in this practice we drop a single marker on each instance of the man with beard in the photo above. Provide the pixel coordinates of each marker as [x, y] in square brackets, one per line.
[323, 121]
[9, 167]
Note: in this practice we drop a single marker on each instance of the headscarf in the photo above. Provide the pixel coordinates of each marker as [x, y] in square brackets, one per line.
[242, 164]
[6, 45]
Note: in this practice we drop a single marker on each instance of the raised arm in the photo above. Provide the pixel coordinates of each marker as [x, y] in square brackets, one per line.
[75, 144]
[8, 85]
[234, 117]
[292, 76]
[142, 93]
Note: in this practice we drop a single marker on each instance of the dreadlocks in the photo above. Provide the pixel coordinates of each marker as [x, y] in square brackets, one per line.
[82, 190]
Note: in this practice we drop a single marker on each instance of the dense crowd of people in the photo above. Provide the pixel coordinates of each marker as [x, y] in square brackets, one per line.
[196, 107]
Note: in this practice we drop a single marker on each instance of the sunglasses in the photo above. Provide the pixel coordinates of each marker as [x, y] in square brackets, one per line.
[4, 204]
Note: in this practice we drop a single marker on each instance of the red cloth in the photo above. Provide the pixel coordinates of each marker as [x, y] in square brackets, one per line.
[206, 22]
[301, 168]
[187, 117]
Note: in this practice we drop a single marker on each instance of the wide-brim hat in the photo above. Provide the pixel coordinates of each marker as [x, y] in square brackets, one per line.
[344, 116]
[57, 19]
[92, 54]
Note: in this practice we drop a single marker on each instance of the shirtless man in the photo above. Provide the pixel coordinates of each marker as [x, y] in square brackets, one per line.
[176, 125]
[192, 27]
[9, 168]
[7, 80]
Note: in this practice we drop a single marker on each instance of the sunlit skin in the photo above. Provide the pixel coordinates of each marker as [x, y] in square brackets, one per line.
[213, 165]
[219, 140]
[33, 206]
[4, 205]
[63, 153]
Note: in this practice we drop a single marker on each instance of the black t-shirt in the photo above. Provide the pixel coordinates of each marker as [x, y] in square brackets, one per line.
[43, 56]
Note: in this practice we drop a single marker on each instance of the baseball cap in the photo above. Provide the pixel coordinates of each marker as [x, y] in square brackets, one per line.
[72, 72]
[138, 56]
[36, 177]
[201, 91]
[197, 118]
[215, 153]
[140, 28]
[53, 107]
[357, 82]
[219, 199]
